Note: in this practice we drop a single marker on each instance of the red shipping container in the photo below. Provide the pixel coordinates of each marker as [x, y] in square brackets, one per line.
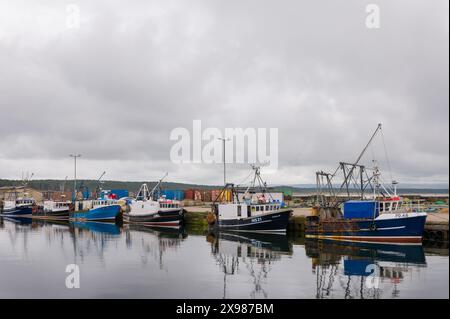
[189, 194]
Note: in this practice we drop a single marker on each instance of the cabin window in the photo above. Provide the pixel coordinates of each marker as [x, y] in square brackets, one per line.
[394, 206]
[257, 208]
[239, 211]
[388, 206]
[249, 211]
[253, 208]
[267, 208]
[381, 207]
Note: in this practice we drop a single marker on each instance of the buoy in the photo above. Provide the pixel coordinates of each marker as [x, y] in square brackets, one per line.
[211, 218]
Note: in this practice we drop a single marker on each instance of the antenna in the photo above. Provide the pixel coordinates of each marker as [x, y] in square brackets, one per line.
[224, 159]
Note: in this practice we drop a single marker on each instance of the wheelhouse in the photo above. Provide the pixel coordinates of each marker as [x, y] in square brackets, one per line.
[241, 210]
[167, 205]
[390, 205]
[25, 201]
[103, 202]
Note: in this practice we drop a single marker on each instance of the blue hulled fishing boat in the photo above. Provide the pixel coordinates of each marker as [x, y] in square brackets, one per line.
[102, 210]
[367, 221]
[368, 211]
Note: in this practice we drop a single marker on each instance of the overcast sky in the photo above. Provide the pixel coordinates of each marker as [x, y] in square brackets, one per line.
[114, 88]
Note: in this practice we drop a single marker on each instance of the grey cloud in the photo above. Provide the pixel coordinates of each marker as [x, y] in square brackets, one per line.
[115, 88]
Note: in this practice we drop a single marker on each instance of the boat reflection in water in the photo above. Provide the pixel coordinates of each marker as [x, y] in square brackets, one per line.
[365, 271]
[99, 227]
[251, 254]
[153, 242]
[17, 220]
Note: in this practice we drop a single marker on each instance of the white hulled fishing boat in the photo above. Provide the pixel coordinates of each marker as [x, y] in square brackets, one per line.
[151, 209]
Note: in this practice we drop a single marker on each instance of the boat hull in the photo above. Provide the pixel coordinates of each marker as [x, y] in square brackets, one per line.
[98, 227]
[57, 214]
[18, 211]
[275, 222]
[403, 230]
[157, 220]
[103, 213]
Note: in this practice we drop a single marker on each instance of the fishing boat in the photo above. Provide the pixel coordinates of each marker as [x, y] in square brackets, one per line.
[370, 211]
[102, 210]
[251, 213]
[19, 207]
[56, 209]
[151, 209]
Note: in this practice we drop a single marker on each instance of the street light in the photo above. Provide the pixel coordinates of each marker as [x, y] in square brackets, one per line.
[75, 176]
[224, 164]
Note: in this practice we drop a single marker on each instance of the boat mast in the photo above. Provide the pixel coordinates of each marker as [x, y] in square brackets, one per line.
[224, 159]
[98, 183]
[261, 183]
[152, 192]
[349, 175]
[368, 144]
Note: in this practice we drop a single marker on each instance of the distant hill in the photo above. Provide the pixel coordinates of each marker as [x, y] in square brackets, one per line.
[56, 185]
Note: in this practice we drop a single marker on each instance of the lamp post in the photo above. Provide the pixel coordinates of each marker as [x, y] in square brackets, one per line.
[75, 175]
[224, 161]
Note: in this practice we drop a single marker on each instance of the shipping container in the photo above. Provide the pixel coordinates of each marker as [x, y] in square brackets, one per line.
[120, 192]
[218, 195]
[206, 196]
[360, 209]
[189, 194]
[174, 194]
[214, 194]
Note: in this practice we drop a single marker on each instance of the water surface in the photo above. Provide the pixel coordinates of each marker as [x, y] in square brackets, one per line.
[131, 262]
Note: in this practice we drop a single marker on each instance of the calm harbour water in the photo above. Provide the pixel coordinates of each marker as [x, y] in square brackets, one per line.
[129, 262]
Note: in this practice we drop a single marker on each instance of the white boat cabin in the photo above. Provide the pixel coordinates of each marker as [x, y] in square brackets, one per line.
[20, 202]
[51, 206]
[168, 204]
[103, 202]
[390, 205]
[242, 210]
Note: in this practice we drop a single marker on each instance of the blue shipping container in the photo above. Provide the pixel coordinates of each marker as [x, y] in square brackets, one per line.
[360, 209]
[174, 194]
[120, 192]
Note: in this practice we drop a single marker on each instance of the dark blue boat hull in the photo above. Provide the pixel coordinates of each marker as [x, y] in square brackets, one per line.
[393, 230]
[18, 211]
[275, 222]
